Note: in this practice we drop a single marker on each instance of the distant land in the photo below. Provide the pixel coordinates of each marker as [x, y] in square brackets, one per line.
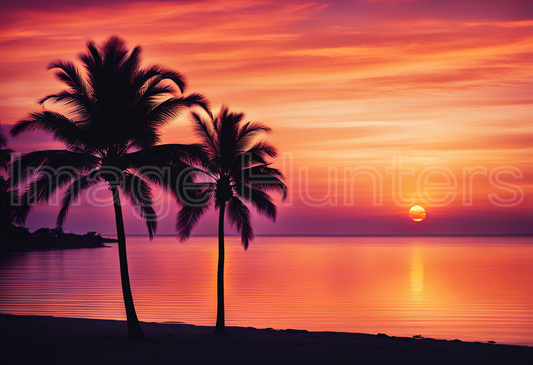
[19, 239]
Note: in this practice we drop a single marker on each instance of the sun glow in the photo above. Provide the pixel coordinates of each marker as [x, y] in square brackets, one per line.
[417, 213]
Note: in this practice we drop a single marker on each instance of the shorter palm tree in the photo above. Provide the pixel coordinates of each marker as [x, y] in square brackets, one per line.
[240, 173]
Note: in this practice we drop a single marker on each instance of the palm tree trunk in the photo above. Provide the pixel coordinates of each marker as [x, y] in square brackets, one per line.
[220, 325]
[134, 327]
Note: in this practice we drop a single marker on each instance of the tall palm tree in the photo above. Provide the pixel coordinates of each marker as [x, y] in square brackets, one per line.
[113, 112]
[239, 170]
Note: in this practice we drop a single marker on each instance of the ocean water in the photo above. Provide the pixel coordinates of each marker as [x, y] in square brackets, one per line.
[467, 288]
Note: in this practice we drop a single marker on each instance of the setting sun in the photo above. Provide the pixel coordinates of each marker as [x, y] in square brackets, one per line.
[417, 213]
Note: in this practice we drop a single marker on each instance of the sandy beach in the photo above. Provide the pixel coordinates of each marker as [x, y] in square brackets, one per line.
[50, 340]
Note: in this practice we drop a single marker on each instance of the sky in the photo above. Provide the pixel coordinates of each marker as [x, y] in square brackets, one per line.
[375, 105]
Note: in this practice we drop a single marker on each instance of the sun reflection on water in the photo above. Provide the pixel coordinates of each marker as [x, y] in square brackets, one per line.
[416, 274]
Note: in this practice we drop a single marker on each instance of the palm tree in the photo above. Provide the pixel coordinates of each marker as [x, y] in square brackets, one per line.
[240, 172]
[113, 112]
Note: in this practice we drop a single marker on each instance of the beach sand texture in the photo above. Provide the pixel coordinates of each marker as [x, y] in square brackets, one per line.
[50, 340]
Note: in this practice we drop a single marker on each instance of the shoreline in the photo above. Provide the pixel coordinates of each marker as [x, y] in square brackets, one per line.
[58, 340]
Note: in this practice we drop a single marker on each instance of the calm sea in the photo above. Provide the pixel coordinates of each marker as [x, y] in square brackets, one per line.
[467, 288]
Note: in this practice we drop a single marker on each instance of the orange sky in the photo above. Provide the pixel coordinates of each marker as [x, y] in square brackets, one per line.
[442, 86]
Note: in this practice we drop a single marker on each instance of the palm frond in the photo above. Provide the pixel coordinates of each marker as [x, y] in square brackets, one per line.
[5, 158]
[130, 67]
[263, 149]
[198, 202]
[159, 73]
[205, 131]
[228, 128]
[164, 112]
[199, 100]
[140, 195]
[248, 131]
[162, 156]
[79, 104]
[239, 215]
[69, 74]
[41, 189]
[262, 170]
[93, 63]
[261, 200]
[255, 155]
[264, 178]
[51, 160]
[149, 96]
[62, 128]
[5, 153]
[114, 49]
[71, 194]
[3, 140]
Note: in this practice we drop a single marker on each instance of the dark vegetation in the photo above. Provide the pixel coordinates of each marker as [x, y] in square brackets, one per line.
[16, 239]
[19, 239]
[113, 111]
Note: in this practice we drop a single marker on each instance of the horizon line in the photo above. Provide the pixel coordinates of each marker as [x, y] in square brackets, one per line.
[343, 235]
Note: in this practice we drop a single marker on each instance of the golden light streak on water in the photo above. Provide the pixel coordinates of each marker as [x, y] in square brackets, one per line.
[416, 274]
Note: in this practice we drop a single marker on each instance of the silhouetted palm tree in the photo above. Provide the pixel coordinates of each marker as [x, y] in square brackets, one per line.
[114, 112]
[240, 172]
